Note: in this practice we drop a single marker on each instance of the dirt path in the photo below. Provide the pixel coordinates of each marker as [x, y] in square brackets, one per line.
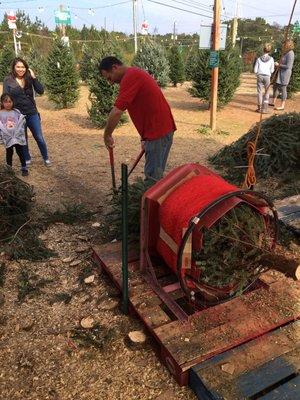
[40, 358]
[80, 171]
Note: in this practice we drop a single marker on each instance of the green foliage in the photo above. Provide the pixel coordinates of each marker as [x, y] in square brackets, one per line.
[18, 234]
[16, 202]
[29, 285]
[86, 64]
[96, 337]
[294, 85]
[37, 63]
[114, 216]
[279, 141]
[28, 246]
[255, 32]
[62, 79]
[6, 57]
[232, 248]
[151, 57]
[229, 74]
[176, 65]
[102, 93]
[190, 63]
[70, 214]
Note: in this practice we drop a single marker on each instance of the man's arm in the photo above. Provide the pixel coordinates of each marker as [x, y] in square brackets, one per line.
[112, 122]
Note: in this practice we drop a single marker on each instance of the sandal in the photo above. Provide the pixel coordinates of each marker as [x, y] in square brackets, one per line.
[279, 108]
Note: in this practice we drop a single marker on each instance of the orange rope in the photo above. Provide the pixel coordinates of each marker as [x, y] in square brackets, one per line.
[250, 178]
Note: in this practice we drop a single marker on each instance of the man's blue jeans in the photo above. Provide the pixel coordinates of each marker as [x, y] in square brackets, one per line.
[33, 122]
[156, 155]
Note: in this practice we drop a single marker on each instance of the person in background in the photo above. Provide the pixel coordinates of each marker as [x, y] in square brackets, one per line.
[21, 84]
[12, 131]
[263, 68]
[284, 74]
[151, 114]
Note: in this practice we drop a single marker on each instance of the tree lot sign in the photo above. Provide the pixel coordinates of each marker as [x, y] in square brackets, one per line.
[213, 59]
[11, 20]
[62, 17]
[296, 28]
[205, 40]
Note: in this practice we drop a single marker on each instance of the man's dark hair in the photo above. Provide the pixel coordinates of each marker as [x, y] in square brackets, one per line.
[107, 63]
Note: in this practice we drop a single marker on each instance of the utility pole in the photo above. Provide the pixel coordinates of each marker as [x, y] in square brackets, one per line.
[174, 32]
[15, 42]
[134, 5]
[235, 24]
[215, 70]
[62, 25]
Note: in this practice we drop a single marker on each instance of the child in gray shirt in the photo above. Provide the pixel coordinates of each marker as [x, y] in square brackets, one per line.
[12, 131]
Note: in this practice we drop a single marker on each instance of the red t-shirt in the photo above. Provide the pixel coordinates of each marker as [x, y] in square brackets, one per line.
[141, 96]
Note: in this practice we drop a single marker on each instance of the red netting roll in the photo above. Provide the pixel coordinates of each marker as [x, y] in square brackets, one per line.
[182, 204]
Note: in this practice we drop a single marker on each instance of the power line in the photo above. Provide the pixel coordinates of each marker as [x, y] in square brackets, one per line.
[99, 7]
[192, 6]
[181, 9]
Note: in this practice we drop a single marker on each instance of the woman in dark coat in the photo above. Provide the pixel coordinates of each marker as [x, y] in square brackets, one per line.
[21, 84]
[284, 74]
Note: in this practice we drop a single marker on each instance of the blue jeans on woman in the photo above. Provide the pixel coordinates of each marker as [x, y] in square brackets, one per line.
[33, 122]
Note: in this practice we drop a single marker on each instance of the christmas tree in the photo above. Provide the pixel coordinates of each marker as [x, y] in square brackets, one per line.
[190, 63]
[102, 93]
[294, 85]
[176, 65]
[36, 62]
[151, 57]
[6, 57]
[230, 68]
[62, 79]
[86, 63]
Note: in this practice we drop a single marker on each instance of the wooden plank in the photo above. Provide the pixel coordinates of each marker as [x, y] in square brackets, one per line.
[247, 317]
[200, 389]
[289, 211]
[153, 317]
[269, 374]
[112, 252]
[255, 352]
[245, 361]
[288, 391]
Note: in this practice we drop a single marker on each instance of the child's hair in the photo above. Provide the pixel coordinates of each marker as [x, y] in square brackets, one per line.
[6, 96]
[267, 47]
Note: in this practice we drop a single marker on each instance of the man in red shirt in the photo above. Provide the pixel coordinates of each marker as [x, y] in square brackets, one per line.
[141, 96]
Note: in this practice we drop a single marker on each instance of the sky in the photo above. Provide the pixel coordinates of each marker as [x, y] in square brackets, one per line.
[161, 15]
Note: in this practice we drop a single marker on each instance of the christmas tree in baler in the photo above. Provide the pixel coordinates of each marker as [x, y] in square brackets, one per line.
[62, 79]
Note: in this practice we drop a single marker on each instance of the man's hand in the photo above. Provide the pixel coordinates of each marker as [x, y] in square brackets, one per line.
[109, 141]
[32, 73]
[112, 122]
[276, 64]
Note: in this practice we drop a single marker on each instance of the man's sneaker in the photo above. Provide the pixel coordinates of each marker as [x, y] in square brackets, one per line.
[47, 163]
[25, 172]
[28, 162]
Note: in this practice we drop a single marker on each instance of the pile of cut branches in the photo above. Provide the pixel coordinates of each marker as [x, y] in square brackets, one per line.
[18, 233]
[233, 248]
[16, 200]
[278, 150]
